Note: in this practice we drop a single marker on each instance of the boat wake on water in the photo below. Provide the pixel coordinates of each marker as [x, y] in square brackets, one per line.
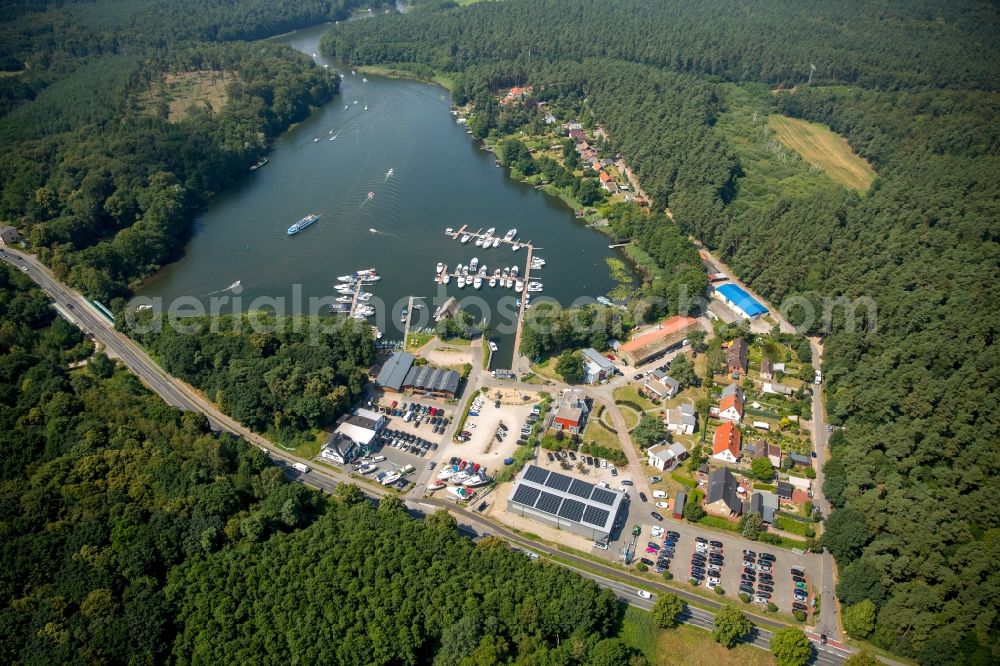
[229, 288]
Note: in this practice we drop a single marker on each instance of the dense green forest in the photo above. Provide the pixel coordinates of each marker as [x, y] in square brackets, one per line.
[280, 375]
[913, 381]
[132, 534]
[97, 171]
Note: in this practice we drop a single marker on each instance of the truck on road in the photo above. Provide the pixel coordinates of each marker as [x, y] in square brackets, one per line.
[301, 467]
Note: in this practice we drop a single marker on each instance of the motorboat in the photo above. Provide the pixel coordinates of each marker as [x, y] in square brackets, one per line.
[391, 478]
[447, 473]
[418, 306]
[465, 238]
[513, 271]
[446, 279]
[506, 271]
[367, 468]
[458, 268]
[477, 282]
[369, 275]
[493, 346]
[461, 493]
[535, 286]
[364, 296]
[482, 271]
[496, 242]
[519, 286]
[515, 247]
[509, 236]
[348, 278]
[509, 283]
[493, 282]
[491, 231]
[345, 299]
[474, 264]
[440, 267]
[479, 241]
[477, 481]
[344, 289]
[436, 485]
[461, 281]
[449, 231]
[458, 479]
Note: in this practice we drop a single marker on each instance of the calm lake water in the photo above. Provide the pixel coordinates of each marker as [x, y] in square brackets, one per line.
[441, 178]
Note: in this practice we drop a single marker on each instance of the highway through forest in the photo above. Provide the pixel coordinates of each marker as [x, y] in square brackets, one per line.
[81, 312]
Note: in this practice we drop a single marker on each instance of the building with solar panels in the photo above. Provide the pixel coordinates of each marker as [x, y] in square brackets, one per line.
[561, 501]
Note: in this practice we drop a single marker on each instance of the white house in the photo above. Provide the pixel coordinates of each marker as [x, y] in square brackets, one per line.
[777, 389]
[680, 421]
[665, 456]
[596, 368]
[354, 435]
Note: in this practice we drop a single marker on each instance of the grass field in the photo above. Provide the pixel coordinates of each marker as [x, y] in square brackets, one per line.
[684, 645]
[595, 432]
[182, 90]
[825, 149]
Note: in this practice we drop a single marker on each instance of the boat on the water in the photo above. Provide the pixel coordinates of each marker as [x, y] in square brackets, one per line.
[449, 231]
[261, 162]
[364, 296]
[446, 279]
[506, 271]
[465, 238]
[491, 231]
[461, 281]
[496, 242]
[440, 267]
[345, 299]
[477, 282]
[515, 247]
[474, 264]
[493, 282]
[302, 224]
[509, 236]
[513, 271]
[519, 286]
[479, 241]
[493, 346]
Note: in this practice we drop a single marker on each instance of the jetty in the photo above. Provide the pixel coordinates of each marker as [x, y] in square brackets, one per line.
[524, 303]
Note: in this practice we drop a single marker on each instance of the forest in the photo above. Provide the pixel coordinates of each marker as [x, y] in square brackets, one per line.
[94, 172]
[279, 375]
[913, 380]
[133, 534]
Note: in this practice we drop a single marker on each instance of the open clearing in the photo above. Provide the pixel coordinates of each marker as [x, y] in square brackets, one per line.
[827, 150]
[684, 645]
[183, 90]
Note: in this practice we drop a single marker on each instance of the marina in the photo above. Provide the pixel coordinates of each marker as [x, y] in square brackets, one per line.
[408, 128]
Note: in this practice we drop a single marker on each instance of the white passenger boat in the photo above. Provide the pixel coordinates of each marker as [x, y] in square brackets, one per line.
[368, 468]
[477, 481]
[458, 479]
[449, 231]
[436, 485]
[509, 236]
[493, 282]
[461, 281]
[491, 231]
[513, 271]
[519, 286]
[515, 247]
[474, 264]
[465, 238]
[506, 271]
[479, 242]
[493, 346]
[446, 279]
[447, 473]
[460, 493]
[364, 296]
[477, 282]
[440, 267]
[496, 242]
[345, 299]
[509, 283]
[390, 478]
[348, 278]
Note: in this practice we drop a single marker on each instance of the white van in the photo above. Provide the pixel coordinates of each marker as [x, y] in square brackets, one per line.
[408, 417]
[660, 494]
[378, 459]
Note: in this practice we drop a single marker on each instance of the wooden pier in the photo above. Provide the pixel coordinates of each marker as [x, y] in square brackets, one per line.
[524, 303]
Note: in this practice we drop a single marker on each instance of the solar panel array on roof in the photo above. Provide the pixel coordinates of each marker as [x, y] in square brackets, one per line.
[595, 516]
[536, 474]
[526, 495]
[581, 488]
[572, 510]
[549, 503]
[603, 496]
[558, 481]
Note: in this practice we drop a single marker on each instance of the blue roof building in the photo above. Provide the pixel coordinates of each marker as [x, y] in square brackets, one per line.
[738, 299]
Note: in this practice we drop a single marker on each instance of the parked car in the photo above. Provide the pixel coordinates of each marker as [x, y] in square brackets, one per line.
[600, 545]
[648, 562]
[653, 545]
[644, 594]
[550, 456]
[643, 497]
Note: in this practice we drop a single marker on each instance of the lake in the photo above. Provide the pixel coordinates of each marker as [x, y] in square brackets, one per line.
[441, 178]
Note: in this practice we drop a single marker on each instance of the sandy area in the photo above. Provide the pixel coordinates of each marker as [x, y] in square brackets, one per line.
[445, 356]
[483, 446]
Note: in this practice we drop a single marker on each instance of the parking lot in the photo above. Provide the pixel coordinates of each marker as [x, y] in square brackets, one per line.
[715, 559]
[485, 441]
[588, 468]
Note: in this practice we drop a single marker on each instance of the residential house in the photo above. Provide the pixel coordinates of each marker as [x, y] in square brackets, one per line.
[596, 368]
[721, 497]
[726, 443]
[577, 134]
[763, 503]
[666, 456]
[774, 455]
[757, 449]
[777, 389]
[680, 421]
[736, 357]
[766, 369]
[8, 234]
[355, 435]
[574, 127]
[734, 389]
[800, 460]
[610, 187]
[661, 389]
[731, 408]
[604, 177]
[571, 413]
[785, 490]
[339, 449]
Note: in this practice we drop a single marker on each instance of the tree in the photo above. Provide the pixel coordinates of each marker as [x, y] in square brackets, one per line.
[683, 371]
[761, 468]
[863, 659]
[348, 493]
[751, 525]
[666, 610]
[790, 647]
[613, 652]
[846, 534]
[649, 431]
[859, 618]
[731, 625]
[570, 367]
[693, 511]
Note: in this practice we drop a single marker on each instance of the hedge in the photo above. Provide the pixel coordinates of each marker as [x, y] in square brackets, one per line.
[683, 480]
